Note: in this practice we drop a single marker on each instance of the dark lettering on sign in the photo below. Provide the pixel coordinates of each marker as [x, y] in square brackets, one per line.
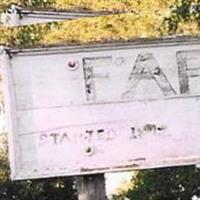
[147, 129]
[150, 128]
[55, 137]
[133, 133]
[89, 81]
[102, 134]
[98, 134]
[89, 75]
[89, 132]
[87, 135]
[43, 137]
[146, 67]
[184, 71]
[64, 137]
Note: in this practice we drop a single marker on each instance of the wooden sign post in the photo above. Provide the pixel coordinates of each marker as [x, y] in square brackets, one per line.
[91, 187]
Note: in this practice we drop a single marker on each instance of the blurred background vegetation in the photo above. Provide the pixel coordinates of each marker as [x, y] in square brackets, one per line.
[143, 19]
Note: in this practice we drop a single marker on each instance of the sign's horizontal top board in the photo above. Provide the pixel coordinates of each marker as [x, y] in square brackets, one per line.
[102, 108]
[17, 16]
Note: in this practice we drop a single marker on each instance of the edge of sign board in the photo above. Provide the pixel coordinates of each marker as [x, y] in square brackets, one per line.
[14, 15]
[57, 11]
[65, 12]
[62, 14]
[76, 48]
[137, 165]
[11, 116]
[18, 173]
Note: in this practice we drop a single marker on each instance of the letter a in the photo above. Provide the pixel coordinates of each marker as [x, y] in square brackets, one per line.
[146, 67]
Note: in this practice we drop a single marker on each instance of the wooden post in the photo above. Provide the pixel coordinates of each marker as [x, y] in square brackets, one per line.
[91, 187]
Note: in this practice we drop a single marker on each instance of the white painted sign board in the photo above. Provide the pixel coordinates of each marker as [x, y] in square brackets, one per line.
[75, 110]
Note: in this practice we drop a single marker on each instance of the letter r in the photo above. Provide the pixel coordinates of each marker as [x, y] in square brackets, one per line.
[184, 72]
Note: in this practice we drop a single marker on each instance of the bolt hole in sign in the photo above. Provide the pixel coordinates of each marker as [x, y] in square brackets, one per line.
[103, 107]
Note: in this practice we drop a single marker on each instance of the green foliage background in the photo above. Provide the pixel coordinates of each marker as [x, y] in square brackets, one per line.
[51, 189]
[177, 183]
[144, 18]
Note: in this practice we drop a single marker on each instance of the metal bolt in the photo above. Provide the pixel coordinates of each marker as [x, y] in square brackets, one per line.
[72, 65]
[89, 150]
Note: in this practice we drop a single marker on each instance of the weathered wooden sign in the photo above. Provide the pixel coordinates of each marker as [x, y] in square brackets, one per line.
[76, 110]
[17, 16]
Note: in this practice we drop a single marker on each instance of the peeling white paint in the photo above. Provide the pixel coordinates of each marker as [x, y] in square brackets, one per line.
[75, 110]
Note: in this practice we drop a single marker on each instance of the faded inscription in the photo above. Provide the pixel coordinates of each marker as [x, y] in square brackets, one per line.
[101, 134]
[89, 75]
[185, 71]
[145, 67]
